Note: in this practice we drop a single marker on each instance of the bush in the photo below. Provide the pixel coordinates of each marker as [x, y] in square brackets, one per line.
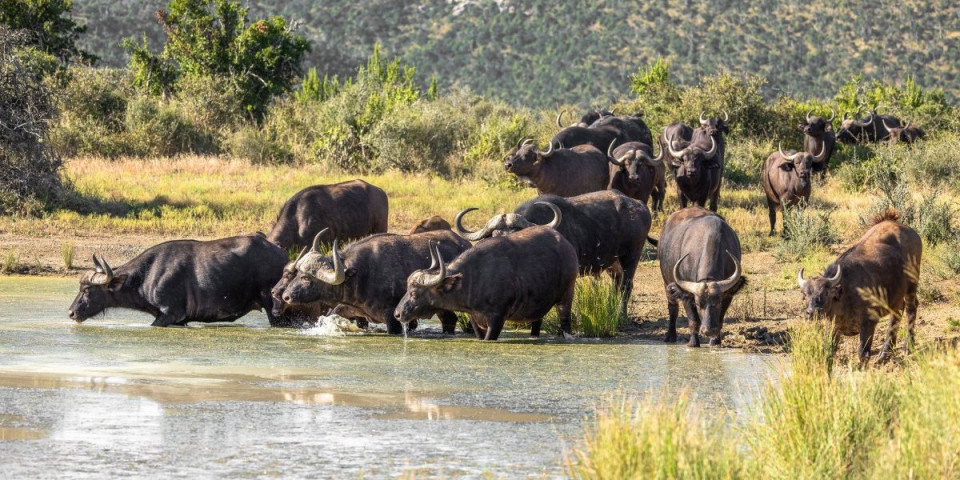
[29, 170]
[804, 231]
[258, 145]
[92, 106]
[162, 129]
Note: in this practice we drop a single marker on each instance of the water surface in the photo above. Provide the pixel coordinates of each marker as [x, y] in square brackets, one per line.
[114, 397]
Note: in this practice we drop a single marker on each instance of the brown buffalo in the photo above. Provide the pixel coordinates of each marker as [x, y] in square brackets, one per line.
[877, 275]
[697, 171]
[560, 171]
[430, 224]
[903, 133]
[819, 140]
[637, 173]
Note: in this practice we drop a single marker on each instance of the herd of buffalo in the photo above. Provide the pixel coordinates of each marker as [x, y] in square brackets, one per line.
[594, 181]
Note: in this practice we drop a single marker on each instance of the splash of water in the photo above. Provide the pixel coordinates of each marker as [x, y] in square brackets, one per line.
[331, 326]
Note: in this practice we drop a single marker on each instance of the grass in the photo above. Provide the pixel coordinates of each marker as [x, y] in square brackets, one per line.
[817, 420]
[67, 250]
[10, 263]
[596, 309]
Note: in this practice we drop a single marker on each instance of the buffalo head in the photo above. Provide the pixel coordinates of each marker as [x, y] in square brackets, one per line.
[816, 126]
[631, 161]
[820, 292]
[316, 273]
[425, 288]
[690, 160]
[800, 163]
[503, 223]
[706, 296]
[98, 291]
[526, 159]
[715, 126]
[855, 131]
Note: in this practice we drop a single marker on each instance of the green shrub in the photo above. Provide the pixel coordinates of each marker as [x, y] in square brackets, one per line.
[258, 145]
[154, 128]
[67, 251]
[804, 231]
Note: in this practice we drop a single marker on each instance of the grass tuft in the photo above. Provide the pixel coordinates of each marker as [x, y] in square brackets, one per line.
[67, 251]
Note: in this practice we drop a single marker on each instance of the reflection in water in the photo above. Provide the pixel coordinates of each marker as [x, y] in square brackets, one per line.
[246, 400]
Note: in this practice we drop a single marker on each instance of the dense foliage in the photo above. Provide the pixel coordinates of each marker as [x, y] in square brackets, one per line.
[542, 53]
[47, 25]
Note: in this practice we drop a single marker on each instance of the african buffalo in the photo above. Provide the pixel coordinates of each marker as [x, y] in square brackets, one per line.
[607, 229]
[586, 120]
[818, 136]
[637, 173]
[630, 128]
[307, 314]
[430, 224]
[869, 129]
[677, 131]
[786, 180]
[347, 210]
[606, 129]
[715, 128]
[369, 276]
[519, 277]
[903, 133]
[697, 171]
[700, 263]
[564, 172]
[877, 275]
[187, 281]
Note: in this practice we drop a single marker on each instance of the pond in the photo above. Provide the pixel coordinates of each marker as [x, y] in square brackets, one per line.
[114, 397]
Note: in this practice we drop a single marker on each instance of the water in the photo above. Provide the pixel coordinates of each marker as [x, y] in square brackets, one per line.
[116, 398]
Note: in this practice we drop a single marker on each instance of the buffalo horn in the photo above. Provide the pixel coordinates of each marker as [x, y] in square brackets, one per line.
[689, 287]
[789, 158]
[800, 281]
[656, 161]
[614, 160]
[836, 277]
[560, 125]
[713, 148]
[702, 120]
[548, 152]
[725, 285]
[103, 269]
[888, 127]
[557, 216]
[433, 258]
[338, 275]
[809, 116]
[467, 234]
[833, 115]
[429, 281]
[726, 116]
[675, 153]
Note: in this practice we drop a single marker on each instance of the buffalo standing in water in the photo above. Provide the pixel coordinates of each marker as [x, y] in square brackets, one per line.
[519, 276]
[636, 173]
[786, 180]
[607, 229]
[344, 211]
[885, 263]
[369, 277]
[563, 172]
[187, 281]
[700, 263]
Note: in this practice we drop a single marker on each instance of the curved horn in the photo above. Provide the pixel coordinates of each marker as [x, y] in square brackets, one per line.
[845, 112]
[868, 121]
[339, 275]
[713, 148]
[800, 281]
[525, 142]
[820, 157]
[809, 114]
[96, 264]
[557, 216]
[433, 258]
[303, 253]
[315, 247]
[689, 287]
[702, 121]
[836, 277]
[467, 234]
[558, 119]
[106, 269]
[833, 115]
[658, 159]
[548, 152]
[789, 157]
[725, 285]
[430, 281]
[908, 125]
[675, 153]
[610, 153]
[726, 116]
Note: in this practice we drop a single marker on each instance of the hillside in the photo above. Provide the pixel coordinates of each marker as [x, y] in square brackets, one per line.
[542, 53]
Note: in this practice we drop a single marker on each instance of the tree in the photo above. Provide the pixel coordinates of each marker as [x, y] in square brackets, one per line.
[50, 29]
[213, 38]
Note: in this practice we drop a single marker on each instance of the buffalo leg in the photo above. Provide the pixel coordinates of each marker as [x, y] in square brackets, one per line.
[866, 341]
[535, 327]
[890, 341]
[911, 313]
[448, 320]
[394, 327]
[494, 327]
[673, 310]
[693, 323]
[714, 200]
[167, 319]
[682, 198]
[772, 212]
[565, 308]
[479, 331]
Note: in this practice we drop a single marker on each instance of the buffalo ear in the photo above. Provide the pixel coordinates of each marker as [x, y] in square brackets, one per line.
[350, 272]
[116, 282]
[451, 283]
[677, 294]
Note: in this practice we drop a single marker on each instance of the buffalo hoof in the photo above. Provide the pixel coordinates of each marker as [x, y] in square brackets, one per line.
[671, 338]
[715, 341]
[569, 336]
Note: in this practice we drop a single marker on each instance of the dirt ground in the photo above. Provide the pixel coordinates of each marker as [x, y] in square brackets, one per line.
[758, 319]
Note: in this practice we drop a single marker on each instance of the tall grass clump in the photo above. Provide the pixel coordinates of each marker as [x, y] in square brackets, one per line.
[596, 310]
[67, 251]
[804, 231]
[10, 263]
[653, 438]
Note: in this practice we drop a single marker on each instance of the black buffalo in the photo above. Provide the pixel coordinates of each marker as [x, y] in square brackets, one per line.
[819, 140]
[564, 172]
[700, 263]
[347, 210]
[603, 131]
[903, 133]
[786, 180]
[697, 171]
[586, 119]
[187, 281]
[607, 229]
[369, 277]
[715, 128]
[677, 131]
[637, 173]
[519, 277]
[866, 130]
